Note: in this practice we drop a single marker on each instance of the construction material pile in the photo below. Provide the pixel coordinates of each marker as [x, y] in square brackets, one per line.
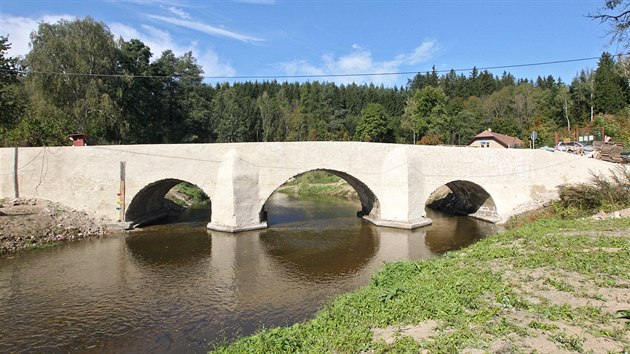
[608, 151]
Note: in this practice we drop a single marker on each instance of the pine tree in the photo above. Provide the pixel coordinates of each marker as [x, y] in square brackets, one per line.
[609, 87]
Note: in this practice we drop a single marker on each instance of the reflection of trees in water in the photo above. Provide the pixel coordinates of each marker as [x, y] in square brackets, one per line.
[319, 255]
[448, 232]
[164, 245]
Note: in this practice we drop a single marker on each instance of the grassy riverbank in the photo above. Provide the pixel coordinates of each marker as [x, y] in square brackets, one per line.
[550, 285]
[318, 184]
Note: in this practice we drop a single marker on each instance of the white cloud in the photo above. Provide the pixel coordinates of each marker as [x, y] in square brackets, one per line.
[213, 66]
[179, 12]
[159, 40]
[257, 2]
[419, 55]
[360, 61]
[19, 30]
[205, 28]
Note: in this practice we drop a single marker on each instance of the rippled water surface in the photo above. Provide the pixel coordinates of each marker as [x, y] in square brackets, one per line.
[181, 288]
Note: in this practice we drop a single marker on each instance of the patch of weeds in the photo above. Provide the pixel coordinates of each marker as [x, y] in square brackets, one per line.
[454, 341]
[596, 296]
[609, 282]
[559, 285]
[569, 342]
[391, 294]
[505, 327]
[555, 312]
[38, 246]
[529, 217]
[569, 314]
[542, 326]
[404, 344]
[285, 190]
[509, 299]
[615, 334]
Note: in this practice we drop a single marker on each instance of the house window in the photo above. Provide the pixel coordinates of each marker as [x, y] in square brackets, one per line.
[485, 144]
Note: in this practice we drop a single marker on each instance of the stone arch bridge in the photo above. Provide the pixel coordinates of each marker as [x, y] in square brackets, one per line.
[394, 182]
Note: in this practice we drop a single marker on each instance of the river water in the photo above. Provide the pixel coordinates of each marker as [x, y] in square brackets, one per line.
[182, 288]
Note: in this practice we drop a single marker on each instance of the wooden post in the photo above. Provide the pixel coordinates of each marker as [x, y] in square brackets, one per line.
[16, 186]
[121, 215]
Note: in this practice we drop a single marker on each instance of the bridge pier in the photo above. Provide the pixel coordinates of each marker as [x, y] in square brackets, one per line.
[236, 198]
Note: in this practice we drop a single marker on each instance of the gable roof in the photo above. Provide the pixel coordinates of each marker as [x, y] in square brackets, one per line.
[505, 140]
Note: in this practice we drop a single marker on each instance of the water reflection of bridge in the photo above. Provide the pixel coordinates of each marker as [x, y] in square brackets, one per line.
[252, 266]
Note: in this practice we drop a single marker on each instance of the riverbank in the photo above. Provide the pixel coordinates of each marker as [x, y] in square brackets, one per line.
[27, 223]
[550, 286]
[319, 184]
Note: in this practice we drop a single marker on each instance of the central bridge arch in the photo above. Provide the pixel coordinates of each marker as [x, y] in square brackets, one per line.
[369, 202]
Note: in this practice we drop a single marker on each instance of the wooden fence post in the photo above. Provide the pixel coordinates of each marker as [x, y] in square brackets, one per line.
[16, 186]
[121, 216]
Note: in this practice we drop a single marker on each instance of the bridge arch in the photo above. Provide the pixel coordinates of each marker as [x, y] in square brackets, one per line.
[150, 203]
[369, 202]
[463, 197]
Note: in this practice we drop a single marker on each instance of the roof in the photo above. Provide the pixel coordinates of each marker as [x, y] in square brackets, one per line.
[505, 140]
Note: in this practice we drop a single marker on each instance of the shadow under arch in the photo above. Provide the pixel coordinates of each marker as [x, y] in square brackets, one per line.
[464, 198]
[369, 201]
[150, 206]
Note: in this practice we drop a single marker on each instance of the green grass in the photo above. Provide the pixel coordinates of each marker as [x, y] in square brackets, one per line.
[317, 184]
[315, 177]
[195, 196]
[464, 291]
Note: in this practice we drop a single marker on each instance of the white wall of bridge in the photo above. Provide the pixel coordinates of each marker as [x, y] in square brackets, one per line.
[239, 178]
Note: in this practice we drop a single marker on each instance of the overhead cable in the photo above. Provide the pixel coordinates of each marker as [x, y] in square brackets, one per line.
[304, 76]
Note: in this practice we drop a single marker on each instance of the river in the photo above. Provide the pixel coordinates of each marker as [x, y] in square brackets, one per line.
[182, 288]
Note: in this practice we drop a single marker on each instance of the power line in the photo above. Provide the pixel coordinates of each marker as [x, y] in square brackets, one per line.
[305, 76]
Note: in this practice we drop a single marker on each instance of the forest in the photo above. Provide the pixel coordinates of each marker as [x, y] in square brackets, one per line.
[78, 78]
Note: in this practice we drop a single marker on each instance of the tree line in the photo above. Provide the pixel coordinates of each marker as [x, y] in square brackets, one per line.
[78, 78]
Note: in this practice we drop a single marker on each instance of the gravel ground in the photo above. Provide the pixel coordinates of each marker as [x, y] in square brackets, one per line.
[27, 223]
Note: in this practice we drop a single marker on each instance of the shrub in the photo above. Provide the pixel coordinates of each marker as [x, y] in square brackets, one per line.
[604, 193]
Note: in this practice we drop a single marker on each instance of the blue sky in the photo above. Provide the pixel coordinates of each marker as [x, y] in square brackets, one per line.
[249, 38]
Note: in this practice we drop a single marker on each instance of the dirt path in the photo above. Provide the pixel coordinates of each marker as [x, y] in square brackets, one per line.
[33, 223]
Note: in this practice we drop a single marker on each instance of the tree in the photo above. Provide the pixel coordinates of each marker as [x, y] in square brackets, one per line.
[273, 117]
[617, 14]
[372, 124]
[423, 109]
[610, 88]
[582, 93]
[69, 64]
[10, 106]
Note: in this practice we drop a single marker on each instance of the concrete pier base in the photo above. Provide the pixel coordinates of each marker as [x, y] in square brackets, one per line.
[233, 229]
[414, 224]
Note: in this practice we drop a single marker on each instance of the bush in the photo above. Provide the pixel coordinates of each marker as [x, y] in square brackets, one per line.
[605, 193]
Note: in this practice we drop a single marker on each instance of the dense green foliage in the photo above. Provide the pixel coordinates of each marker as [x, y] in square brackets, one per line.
[78, 79]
